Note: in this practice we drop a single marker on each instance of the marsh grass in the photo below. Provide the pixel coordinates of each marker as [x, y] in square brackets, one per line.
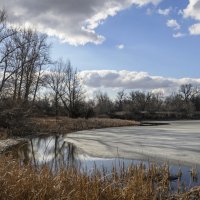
[60, 125]
[135, 182]
[67, 125]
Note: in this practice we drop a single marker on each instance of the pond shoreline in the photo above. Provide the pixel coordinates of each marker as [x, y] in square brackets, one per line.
[194, 191]
[12, 142]
[50, 126]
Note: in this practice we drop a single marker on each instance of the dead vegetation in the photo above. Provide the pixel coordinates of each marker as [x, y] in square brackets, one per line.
[17, 122]
[66, 125]
[193, 194]
[135, 182]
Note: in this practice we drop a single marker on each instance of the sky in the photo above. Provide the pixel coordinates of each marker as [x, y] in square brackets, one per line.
[119, 44]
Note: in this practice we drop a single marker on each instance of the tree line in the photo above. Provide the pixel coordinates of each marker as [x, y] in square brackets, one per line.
[184, 103]
[31, 80]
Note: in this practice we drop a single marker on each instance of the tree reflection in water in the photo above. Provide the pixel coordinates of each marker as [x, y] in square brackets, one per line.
[52, 151]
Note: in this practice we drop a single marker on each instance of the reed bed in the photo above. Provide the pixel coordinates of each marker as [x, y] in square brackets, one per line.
[67, 125]
[61, 125]
[135, 182]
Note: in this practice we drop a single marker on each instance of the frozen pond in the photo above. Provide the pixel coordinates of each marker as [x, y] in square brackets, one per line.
[178, 141]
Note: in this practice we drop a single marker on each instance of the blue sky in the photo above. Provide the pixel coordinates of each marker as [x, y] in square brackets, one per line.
[149, 44]
[119, 44]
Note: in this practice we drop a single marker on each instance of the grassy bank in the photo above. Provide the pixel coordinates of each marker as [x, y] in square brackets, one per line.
[136, 182]
[61, 125]
[52, 125]
[68, 125]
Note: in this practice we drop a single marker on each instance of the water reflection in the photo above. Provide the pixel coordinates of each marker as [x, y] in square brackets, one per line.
[52, 151]
[57, 153]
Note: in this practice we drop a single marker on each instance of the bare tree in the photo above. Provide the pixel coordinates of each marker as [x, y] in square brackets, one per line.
[56, 81]
[104, 105]
[188, 91]
[120, 99]
[139, 100]
[6, 49]
[27, 62]
[65, 83]
[23, 54]
[176, 103]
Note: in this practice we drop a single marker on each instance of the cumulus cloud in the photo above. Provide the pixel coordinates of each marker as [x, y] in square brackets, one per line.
[193, 11]
[120, 46]
[178, 35]
[164, 12]
[195, 29]
[72, 21]
[131, 80]
[172, 23]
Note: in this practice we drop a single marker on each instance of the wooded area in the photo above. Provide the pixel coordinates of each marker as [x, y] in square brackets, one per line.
[31, 81]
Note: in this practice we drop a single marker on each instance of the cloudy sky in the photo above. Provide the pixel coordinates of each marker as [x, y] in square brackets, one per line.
[133, 44]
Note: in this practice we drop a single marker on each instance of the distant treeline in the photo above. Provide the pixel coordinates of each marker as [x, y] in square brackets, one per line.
[31, 81]
[182, 104]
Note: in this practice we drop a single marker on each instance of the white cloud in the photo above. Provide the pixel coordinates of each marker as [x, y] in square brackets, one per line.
[195, 29]
[193, 11]
[178, 35]
[172, 23]
[131, 80]
[164, 12]
[112, 81]
[120, 46]
[72, 21]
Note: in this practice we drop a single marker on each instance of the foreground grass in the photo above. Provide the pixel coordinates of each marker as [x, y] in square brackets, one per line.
[136, 182]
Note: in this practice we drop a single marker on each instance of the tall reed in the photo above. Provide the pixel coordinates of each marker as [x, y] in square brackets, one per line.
[21, 182]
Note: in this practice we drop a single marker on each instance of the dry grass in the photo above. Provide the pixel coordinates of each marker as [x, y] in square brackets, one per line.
[136, 182]
[61, 125]
[67, 125]
[133, 183]
[193, 194]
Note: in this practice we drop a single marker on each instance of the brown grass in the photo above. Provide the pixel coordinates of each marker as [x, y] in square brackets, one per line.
[67, 125]
[193, 194]
[136, 182]
[133, 183]
[61, 125]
